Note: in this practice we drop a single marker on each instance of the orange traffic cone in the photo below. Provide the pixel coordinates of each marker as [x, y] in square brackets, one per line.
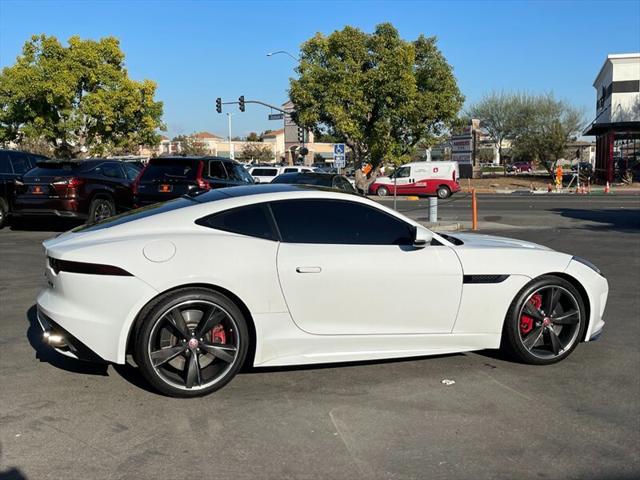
[607, 188]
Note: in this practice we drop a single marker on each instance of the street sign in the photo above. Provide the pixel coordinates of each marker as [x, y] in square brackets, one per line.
[459, 144]
[276, 116]
[462, 157]
[339, 160]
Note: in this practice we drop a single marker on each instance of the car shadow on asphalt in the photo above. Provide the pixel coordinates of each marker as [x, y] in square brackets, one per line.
[625, 220]
[46, 354]
[42, 224]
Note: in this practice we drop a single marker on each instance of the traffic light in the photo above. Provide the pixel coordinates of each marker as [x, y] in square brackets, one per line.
[219, 105]
[241, 103]
[301, 134]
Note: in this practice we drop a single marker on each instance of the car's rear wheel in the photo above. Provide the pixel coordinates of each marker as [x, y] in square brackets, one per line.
[545, 322]
[443, 191]
[101, 209]
[4, 212]
[382, 191]
[191, 343]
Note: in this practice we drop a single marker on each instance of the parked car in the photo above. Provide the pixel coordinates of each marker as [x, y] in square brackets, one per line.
[420, 178]
[193, 286]
[520, 167]
[329, 180]
[165, 178]
[88, 189]
[13, 164]
[264, 174]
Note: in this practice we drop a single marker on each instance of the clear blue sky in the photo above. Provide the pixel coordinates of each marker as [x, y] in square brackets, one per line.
[198, 50]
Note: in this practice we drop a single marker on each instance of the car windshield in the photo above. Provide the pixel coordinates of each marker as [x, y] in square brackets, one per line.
[238, 172]
[180, 169]
[53, 169]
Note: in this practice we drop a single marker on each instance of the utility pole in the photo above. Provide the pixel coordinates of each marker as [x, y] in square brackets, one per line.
[231, 153]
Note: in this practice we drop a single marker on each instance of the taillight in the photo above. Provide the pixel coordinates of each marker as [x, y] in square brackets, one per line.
[68, 187]
[202, 183]
[454, 176]
[87, 268]
[136, 182]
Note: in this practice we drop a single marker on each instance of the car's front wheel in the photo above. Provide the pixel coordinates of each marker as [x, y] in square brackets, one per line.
[191, 342]
[382, 191]
[545, 322]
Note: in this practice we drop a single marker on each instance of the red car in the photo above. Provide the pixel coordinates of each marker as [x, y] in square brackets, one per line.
[91, 189]
[519, 167]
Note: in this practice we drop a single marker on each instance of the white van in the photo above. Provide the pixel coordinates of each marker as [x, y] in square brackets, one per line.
[420, 178]
[266, 174]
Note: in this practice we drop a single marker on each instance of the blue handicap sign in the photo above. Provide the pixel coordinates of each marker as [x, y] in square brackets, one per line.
[338, 149]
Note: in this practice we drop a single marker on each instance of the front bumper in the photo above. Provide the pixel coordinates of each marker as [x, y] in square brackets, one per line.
[597, 289]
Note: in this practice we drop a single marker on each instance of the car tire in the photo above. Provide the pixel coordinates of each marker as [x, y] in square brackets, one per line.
[4, 213]
[443, 192]
[382, 191]
[177, 351]
[101, 209]
[535, 337]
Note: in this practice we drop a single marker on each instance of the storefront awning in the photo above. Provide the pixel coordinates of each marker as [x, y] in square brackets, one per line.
[619, 128]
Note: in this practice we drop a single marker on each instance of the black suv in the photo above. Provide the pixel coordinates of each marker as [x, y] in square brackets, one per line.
[88, 189]
[165, 178]
[13, 164]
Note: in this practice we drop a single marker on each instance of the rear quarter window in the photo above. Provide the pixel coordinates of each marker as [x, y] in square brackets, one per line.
[251, 220]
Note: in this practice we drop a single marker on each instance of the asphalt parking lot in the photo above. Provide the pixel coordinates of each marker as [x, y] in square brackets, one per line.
[579, 419]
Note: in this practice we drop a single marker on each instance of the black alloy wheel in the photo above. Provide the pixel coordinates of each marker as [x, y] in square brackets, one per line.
[191, 343]
[545, 322]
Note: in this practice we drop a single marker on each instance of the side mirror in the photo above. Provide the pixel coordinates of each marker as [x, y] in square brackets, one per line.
[422, 237]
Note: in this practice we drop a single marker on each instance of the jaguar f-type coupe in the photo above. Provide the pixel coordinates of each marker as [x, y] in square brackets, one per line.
[289, 275]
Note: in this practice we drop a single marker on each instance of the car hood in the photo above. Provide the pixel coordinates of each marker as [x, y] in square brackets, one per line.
[475, 240]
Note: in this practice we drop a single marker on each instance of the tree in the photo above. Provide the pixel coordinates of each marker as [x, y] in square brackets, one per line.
[78, 98]
[500, 115]
[547, 127]
[255, 152]
[379, 94]
[254, 137]
[191, 146]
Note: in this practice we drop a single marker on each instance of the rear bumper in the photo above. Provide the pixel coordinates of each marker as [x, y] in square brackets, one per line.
[94, 311]
[60, 207]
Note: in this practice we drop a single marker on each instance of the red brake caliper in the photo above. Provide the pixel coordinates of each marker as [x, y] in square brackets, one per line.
[526, 322]
[218, 335]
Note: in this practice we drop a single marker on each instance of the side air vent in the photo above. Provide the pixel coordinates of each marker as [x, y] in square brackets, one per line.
[484, 278]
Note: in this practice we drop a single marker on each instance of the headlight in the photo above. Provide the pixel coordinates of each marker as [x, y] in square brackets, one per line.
[588, 264]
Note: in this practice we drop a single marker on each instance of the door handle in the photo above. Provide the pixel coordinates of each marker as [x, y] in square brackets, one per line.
[308, 269]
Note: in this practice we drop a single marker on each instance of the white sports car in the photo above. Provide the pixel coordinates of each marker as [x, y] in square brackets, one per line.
[289, 275]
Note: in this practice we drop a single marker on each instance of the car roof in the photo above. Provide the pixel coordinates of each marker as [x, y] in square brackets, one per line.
[205, 157]
[310, 175]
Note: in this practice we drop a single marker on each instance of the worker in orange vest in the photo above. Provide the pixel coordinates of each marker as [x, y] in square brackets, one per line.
[559, 175]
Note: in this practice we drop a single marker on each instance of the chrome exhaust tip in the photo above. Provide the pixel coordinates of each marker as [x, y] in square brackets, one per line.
[55, 340]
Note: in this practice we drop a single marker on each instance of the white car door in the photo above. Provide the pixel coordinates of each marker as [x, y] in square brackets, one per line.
[348, 268]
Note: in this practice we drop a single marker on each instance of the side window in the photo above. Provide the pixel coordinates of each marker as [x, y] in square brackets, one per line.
[251, 220]
[265, 172]
[403, 172]
[20, 162]
[5, 165]
[131, 171]
[216, 169]
[111, 170]
[238, 173]
[338, 222]
[290, 170]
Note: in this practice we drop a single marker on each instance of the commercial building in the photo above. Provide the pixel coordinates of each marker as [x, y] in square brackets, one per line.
[617, 122]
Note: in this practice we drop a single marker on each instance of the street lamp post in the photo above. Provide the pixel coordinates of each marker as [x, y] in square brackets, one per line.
[231, 155]
[284, 52]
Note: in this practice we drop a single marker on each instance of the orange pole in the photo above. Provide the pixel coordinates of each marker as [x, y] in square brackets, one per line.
[474, 210]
